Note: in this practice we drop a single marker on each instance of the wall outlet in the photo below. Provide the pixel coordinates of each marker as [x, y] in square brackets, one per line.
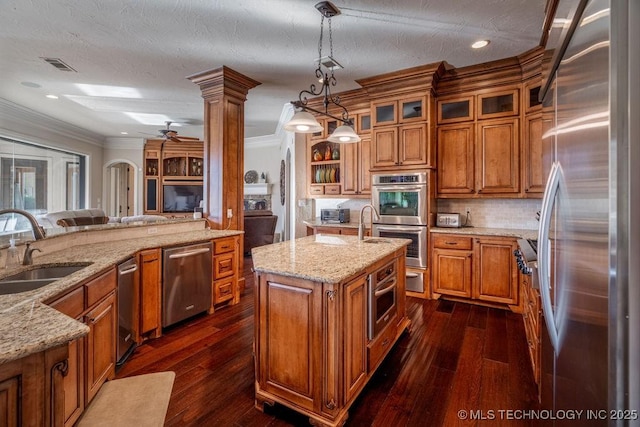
[467, 209]
[229, 213]
[152, 230]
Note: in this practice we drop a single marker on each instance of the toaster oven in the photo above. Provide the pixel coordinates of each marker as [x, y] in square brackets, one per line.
[334, 215]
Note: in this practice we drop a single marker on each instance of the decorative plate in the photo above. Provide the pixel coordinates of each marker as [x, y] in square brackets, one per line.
[251, 177]
[282, 182]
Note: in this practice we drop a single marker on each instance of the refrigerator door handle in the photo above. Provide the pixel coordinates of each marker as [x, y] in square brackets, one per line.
[544, 249]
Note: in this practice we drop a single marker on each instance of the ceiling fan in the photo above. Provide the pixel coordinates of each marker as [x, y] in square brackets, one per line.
[169, 134]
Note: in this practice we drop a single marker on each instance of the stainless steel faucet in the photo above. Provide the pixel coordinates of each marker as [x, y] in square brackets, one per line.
[361, 221]
[27, 259]
[38, 231]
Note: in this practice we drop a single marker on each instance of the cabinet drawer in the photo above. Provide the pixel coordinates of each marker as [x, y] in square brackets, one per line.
[221, 246]
[223, 266]
[377, 349]
[100, 287]
[331, 189]
[451, 242]
[223, 290]
[72, 304]
[316, 189]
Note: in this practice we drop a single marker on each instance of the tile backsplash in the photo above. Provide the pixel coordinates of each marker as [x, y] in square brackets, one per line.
[495, 213]
[492, 213]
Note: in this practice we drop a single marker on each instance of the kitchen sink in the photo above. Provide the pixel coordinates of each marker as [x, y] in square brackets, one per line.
[376, 241]
[36, 278]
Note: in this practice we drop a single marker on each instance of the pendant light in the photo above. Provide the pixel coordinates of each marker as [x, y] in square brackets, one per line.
[303, 121]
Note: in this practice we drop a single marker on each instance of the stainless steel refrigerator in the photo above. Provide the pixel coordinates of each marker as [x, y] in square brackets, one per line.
[588, 242]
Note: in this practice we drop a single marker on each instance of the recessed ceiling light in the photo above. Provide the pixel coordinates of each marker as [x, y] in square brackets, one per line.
[479, 44]
[30, 84]
[124, 133]
[50, 96]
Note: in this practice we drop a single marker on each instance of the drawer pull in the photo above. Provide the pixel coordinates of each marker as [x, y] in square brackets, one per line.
[451, 243]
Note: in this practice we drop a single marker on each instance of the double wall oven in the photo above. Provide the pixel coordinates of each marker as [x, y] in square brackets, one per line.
[402, 200]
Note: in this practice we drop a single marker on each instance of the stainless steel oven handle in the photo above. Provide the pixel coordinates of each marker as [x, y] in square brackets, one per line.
[190, 253]
[385, 187]
[386, 289]
[412, 229]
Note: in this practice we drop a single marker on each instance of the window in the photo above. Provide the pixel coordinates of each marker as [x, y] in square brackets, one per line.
[38, 180]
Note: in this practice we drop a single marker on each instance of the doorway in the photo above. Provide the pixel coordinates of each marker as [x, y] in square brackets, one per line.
[120, 197]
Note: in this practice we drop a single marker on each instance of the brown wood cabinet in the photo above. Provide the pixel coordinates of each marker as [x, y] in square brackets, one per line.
[479, 144]
[31, 389]
[168, 163]
[479, 268]
[324, 173]
[402, 132]
[532, 318]
[535, 170]
[356, 162]
[226, 253]
[91, 359]
[328, 229]
[312, 352]
[150, 309]
[452, 257]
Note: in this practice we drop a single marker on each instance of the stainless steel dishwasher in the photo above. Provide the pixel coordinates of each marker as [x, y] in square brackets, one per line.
[126, 288]
[186, 281]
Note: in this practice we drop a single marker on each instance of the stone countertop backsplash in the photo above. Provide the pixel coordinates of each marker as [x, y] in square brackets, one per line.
[488, 231]
[325, 258]
[28, 326]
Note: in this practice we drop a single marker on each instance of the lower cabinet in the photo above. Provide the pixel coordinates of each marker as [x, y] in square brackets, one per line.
[226, 252]
[311, 344]
[478, 268]
[31, 389]
[149, 311]
[532, 322]
[91, 359]
[328, 229]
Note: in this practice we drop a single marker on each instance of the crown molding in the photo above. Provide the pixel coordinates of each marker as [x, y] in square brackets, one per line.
[276, 139]
[22, 123]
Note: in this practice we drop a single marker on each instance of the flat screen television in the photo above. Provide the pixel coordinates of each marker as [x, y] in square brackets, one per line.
[181, 197]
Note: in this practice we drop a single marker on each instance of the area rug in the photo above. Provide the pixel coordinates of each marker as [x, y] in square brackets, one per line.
[139, 401]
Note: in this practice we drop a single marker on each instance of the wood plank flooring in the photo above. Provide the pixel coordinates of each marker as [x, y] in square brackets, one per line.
[457, 357]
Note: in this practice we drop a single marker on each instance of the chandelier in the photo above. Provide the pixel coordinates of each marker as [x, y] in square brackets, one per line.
[303, 121]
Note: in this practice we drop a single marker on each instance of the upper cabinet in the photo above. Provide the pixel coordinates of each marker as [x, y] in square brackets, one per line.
[402, 133]
[479, 144]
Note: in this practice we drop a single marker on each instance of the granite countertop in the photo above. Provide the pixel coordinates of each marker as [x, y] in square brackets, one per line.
[486, 231]
[324, 258]
[28, 326]
[318, 223]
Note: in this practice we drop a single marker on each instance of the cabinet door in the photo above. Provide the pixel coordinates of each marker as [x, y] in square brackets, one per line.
[452, 272]
[455, 159]
[150, 283]
[224, 265]
[496, 276]
[384, 113]
[74, 382]
[384, 147]
[534, 173]
[498, 104]
[20, 401]
[412, 109]
[288, 345]
[349, 168]
[364, 155]
[101, 344]
[498, 156]
[355, 356]
[456, 110]
[413, 145]
[151, 195]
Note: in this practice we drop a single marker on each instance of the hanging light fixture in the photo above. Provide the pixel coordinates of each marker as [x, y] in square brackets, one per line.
[303, 121]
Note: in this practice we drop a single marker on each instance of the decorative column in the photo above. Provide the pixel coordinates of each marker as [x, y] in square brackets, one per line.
[224, 91]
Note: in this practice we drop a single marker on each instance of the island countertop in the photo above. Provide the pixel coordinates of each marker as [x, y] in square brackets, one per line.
[326, 258]
[28, 326]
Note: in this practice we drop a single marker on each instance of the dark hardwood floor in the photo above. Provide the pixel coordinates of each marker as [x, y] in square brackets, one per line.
[457, 357]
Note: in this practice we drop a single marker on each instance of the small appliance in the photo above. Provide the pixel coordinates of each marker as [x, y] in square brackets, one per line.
[334, 215]
[451, 220]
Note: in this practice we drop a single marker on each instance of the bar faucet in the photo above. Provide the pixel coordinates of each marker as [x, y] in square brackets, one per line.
[27, 259]
[38, 231]
[361, 221]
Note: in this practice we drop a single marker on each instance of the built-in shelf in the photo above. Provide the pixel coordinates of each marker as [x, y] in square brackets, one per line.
[257, 189]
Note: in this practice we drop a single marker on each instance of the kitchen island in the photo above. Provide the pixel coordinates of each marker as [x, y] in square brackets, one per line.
[322, 323]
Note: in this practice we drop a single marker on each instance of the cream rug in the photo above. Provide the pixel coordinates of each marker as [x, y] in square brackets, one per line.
[139, 401]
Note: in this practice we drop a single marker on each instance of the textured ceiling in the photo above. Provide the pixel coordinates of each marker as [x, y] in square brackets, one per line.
[152, 45]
